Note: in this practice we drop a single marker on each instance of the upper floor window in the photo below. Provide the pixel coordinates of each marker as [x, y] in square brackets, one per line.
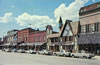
[39, 38]
[35, 38]
[83, 29]
[52, 40]
[70, 38]
[87, 28]
[92, 27]
[96, 26]
[43, 38]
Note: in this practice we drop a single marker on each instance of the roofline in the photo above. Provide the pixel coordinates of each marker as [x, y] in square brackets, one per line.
[90, 5]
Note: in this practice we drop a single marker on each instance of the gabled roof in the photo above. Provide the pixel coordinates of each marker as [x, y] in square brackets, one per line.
[63, 27]
[73, 25]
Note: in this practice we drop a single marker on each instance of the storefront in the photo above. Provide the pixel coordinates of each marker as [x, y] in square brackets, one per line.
[90, 43]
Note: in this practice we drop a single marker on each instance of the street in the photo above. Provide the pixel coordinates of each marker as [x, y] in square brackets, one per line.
[24, 58]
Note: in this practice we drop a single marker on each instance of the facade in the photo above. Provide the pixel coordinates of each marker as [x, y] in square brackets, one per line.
[23, 35]
[10, 40]
[1, 43]
[66, 39]
[89, 36]
[38, 39]
[12, 36]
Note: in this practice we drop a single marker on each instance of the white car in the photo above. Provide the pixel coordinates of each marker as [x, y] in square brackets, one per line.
[31, 51]
[45, 52]
[8, 50]
[21, 51]
[62, 53]
[83, 55]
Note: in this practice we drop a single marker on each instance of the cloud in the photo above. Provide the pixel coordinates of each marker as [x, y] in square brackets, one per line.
[13, 6]
[7, 18]
[93, 0]
[69, 12]
[26, 19]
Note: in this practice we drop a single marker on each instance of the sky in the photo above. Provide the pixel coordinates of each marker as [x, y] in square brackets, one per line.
[19, 14]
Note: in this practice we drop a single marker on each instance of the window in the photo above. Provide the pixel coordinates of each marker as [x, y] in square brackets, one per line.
[66, 38]
[92, 27]
[70, 38]
[35, 38]
[83, 29]
[63, 39]
[43, 38]
[39, 38]
[87, 28]
[52, 40]
[96, 27]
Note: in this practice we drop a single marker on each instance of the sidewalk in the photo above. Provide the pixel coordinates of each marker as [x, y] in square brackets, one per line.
[97, 57]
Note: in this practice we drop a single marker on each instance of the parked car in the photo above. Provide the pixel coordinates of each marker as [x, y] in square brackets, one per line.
[45, 52]
[62, 53]
[21, 51]
[31, 51]
[83, 55]
[14, 50]
[3, 49]
[8, 50]
[27, 51]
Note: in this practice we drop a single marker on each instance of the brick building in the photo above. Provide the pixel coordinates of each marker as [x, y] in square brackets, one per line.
[89, 36]
[38, 39]
[23, 35]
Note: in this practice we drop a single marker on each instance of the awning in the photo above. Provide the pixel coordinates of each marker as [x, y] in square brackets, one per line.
[30, 44]
[39, 43]
[13, 44]
[89, 38]
[7, 44]
[22, 44]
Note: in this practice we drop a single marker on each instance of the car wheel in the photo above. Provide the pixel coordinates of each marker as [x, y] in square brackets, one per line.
[89, 57]
[38, 53]
[64, 55]
[55, 54]
[73, 56]
[84, 57]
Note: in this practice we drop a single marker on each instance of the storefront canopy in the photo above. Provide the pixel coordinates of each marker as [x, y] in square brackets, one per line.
[39, 43]
[23, 44]
[89, 38]
[13, 44]
[7, 44]
[30, 44]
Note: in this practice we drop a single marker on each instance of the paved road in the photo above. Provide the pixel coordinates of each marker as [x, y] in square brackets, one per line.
[23, 58]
